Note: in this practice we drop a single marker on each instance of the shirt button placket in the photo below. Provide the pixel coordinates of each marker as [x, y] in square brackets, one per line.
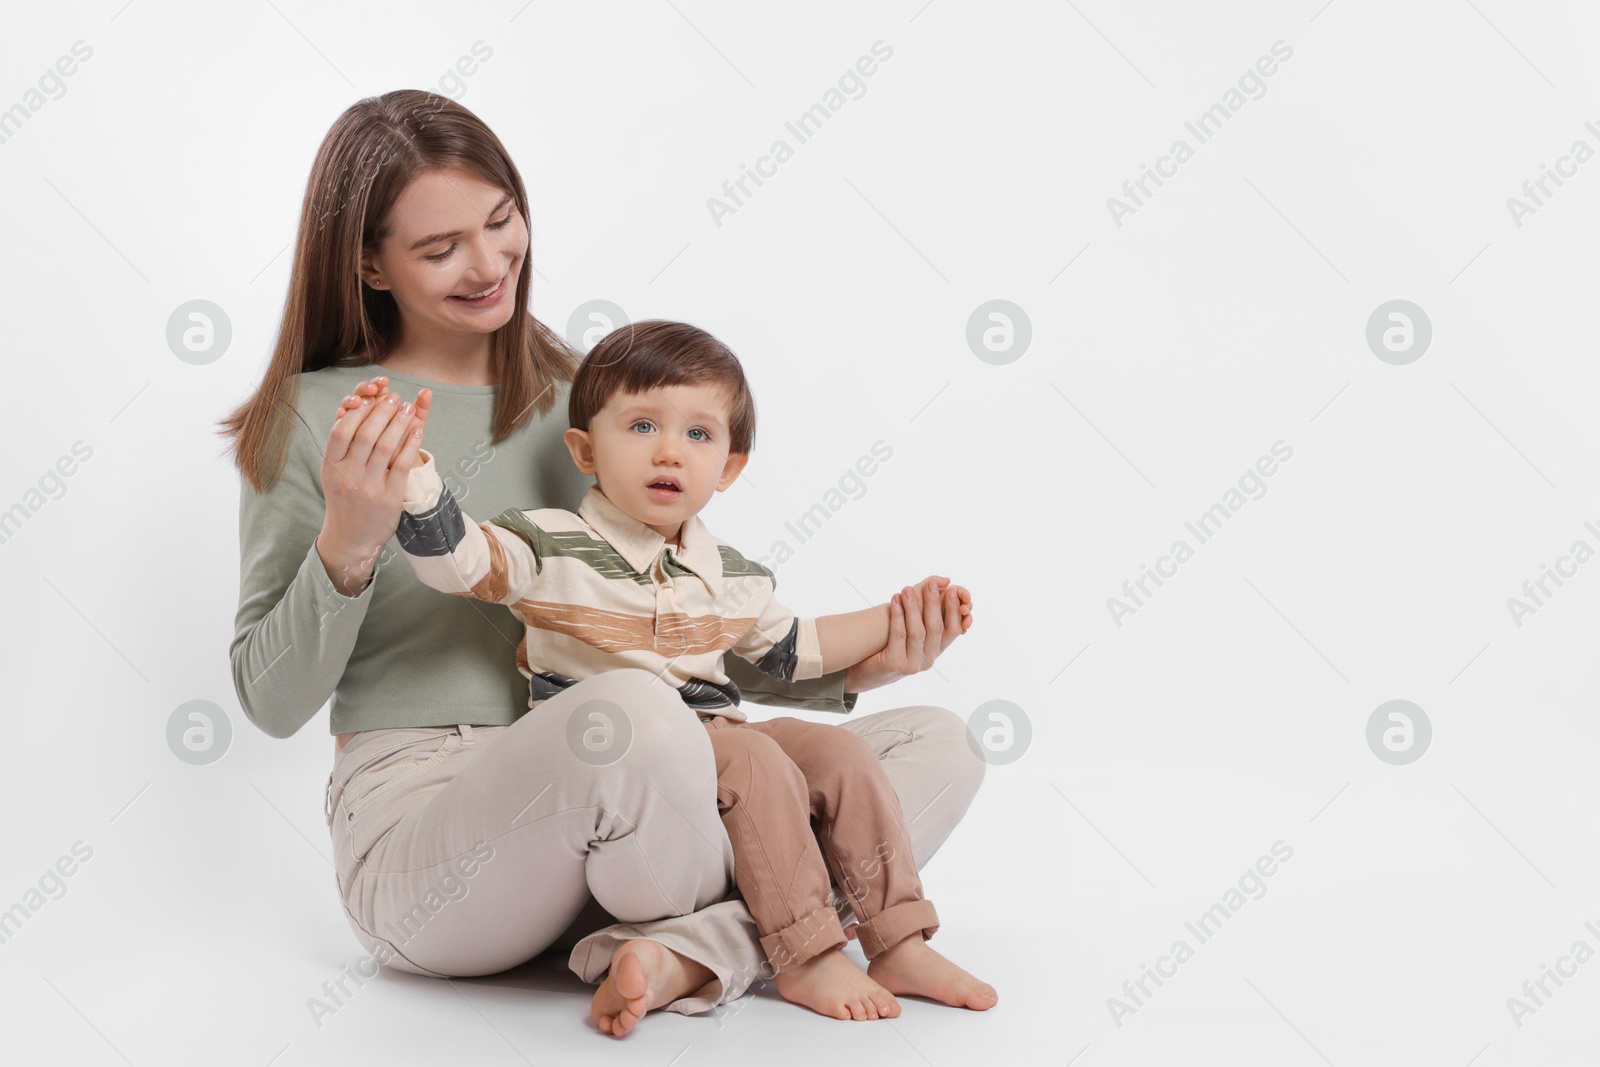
[657, 576]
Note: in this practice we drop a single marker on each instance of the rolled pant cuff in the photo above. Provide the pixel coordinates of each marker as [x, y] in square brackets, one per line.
[590, 959]
[894, 924]
[809, 936]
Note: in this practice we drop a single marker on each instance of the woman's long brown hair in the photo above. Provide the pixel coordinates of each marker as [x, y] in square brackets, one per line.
[331, 318]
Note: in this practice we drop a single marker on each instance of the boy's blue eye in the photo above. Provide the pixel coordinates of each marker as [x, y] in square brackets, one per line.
[694, 429]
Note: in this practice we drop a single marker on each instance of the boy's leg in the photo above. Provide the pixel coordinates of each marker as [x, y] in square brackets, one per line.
[778, 867]
[923, 750]
[861, 830]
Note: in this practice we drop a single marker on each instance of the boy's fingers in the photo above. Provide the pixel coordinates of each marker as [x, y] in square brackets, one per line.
[349, 403]
[406, 458]
[423, 406]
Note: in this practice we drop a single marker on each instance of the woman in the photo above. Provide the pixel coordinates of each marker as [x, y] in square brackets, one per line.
[409, 269]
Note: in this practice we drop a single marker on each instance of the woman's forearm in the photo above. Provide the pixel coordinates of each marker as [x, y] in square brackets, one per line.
[291, 645]
[297, 624]
[850, 638]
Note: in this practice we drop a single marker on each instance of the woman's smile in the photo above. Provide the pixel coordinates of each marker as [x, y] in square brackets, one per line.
[488, 297]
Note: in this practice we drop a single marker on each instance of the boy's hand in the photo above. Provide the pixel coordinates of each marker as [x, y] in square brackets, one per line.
[955, 596]
[373, 389]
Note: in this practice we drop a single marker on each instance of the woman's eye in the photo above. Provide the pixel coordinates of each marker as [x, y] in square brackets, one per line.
[502, 224]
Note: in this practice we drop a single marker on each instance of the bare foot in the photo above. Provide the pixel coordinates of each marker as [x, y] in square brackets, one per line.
[830, 984]
[644, 975]
[913, 968]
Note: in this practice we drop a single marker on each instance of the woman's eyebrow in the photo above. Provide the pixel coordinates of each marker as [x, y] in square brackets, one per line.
[433, 238]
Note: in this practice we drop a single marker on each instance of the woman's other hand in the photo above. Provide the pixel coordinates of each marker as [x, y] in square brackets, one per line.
[923, 620]
[371, 448]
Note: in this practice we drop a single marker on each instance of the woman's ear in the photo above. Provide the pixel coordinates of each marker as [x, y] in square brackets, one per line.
[370, 272]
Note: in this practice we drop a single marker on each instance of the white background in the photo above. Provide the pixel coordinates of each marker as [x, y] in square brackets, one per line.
[1167, 754]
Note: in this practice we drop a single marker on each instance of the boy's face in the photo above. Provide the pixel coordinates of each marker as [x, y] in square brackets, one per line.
[678, 433]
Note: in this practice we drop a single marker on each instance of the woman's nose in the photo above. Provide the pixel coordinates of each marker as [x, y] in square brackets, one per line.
[487, 263]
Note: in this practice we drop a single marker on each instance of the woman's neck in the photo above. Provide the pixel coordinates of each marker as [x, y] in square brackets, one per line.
[452, 360]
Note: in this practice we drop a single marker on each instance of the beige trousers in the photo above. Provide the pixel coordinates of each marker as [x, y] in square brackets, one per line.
[463, 850]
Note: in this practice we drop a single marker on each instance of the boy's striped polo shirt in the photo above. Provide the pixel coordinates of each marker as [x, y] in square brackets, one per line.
[599, 591]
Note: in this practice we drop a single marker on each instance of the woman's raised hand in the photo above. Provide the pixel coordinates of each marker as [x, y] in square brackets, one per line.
[371, 448]
[376, 389]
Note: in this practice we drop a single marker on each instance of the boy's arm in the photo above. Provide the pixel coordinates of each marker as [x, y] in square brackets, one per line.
[781, 644]
[454, 554]
[850, 638]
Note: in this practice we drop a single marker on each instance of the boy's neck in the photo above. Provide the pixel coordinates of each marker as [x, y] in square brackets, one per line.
[675, 538]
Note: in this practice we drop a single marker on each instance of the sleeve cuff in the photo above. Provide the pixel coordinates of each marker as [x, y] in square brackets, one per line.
[807, 651]
[328, 592]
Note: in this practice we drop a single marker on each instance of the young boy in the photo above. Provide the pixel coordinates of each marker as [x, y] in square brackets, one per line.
[662, 415]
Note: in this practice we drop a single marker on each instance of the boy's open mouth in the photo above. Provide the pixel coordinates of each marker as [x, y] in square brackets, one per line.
[665, 487]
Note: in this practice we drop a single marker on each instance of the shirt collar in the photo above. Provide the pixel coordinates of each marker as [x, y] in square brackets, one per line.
[640, 545]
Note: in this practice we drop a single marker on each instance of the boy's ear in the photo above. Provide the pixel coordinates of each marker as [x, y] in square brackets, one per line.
[582, 449]
[731, 469]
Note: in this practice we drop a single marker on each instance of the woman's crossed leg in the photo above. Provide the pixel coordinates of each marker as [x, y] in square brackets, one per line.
[607, 789]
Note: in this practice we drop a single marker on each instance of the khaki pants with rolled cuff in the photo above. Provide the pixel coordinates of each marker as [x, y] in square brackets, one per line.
[802, 801]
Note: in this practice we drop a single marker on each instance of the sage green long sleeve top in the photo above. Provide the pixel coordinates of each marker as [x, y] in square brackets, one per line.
[399, 654]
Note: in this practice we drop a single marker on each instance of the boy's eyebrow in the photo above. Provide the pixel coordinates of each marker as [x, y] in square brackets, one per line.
[434, 238]
[651, 409]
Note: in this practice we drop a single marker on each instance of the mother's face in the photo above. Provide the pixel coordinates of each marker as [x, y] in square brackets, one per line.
[452, 235]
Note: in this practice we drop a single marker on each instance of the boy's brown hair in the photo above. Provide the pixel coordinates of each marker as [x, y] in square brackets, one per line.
[644, 355]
